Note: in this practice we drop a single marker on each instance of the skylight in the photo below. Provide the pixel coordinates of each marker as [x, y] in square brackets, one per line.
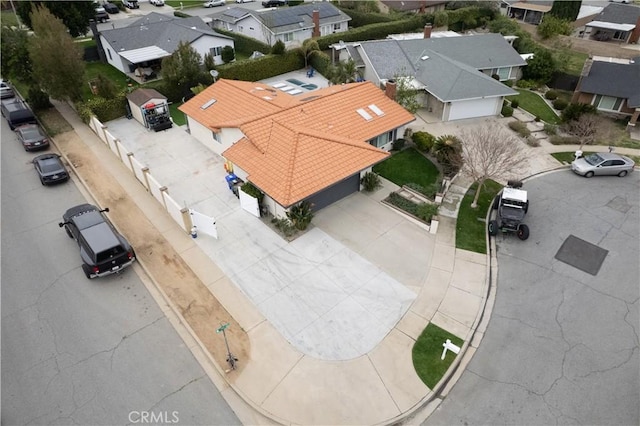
[364, 114]
[208, 104]
[378, 111]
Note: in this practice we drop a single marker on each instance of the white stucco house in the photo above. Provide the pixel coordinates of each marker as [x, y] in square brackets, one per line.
[144, 43]
[292, 25]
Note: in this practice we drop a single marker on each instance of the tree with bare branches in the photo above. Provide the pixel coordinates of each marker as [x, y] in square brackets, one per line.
[490, 152]
[590, 127]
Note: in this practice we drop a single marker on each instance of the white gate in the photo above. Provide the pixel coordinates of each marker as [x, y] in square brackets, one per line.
[248, 203]
[204, 223]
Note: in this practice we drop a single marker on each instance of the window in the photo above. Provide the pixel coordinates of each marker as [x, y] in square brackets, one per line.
[383, 139]
[240, 28]
[287, 37]
[109, 53]
[620, 35]
[503, 73]
[216, 137]
[216, 51]
[607, 103]
[336, 27]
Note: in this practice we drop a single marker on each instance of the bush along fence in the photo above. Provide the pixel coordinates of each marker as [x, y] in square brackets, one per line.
[182, 215]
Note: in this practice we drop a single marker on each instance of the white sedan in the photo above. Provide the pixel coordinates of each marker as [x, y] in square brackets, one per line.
[214, 3]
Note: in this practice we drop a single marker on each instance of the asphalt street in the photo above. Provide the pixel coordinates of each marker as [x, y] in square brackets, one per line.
[562, 345]
[76, 351]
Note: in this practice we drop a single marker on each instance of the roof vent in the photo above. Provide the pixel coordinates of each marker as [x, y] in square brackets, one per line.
[425, 57]
[268, 98]
[208, 103]
[378, 111]
[364, 114]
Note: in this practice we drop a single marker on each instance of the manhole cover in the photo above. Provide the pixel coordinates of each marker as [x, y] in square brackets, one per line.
[581, 255]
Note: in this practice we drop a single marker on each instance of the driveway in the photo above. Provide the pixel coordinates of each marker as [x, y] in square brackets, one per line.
[562, 344]
[334, 292]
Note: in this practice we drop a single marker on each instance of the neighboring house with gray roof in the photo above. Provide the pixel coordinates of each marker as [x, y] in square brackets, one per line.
[611, 85]
[291, 25]
[452, 74]
[617, 22]
[144, 43]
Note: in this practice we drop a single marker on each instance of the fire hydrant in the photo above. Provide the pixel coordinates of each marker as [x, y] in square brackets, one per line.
[194, 232]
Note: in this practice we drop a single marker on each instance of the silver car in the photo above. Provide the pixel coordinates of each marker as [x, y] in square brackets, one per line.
[603, 163]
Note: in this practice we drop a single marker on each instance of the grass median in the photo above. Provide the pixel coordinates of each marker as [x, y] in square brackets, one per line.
[427, 353]
[471, 225]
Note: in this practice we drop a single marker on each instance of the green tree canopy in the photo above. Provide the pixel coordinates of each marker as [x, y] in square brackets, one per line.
[566, 9]
[541, 67]
[15, 54]
[57, 61]
[74, 14]
[182, 70]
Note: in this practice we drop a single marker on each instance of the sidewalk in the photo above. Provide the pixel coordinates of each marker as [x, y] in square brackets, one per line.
[274, 381]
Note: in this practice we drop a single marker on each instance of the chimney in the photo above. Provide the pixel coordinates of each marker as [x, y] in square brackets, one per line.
[427, 31]
[635, 34]
[316, 24]
[390, 89]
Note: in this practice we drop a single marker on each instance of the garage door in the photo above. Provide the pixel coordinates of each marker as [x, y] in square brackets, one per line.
[336, 192]
[473, 108]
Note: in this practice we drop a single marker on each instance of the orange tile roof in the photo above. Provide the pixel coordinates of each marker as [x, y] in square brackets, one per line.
[295, 146]
[236, 102]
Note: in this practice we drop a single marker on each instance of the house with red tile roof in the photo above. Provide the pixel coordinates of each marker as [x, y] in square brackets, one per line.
[311, 147]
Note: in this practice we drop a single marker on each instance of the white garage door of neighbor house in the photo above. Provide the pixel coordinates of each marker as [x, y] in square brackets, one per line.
[473, 108]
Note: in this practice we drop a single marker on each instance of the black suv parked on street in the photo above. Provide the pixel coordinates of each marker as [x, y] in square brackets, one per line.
[102, 249]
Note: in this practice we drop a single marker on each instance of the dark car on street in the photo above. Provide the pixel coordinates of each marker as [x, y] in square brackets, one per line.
[50, 169]
[274, 3]
[31, 137]
[102, 249]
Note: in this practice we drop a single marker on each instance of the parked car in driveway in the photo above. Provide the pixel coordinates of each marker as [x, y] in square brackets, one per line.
[603, 163]
[111, 8]
[157, 3]
[50, 169]
[6, 91]
[214, 3]
[131, 4]
[31, 137]
[101, 14]
[102, 249]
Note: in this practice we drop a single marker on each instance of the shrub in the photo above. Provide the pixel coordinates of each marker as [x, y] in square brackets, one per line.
[362, 18]
[575, 111]
[38, 100]
[550, 129]
[320, 61]
[179, 14]
[261, 68]
[519, 128]
[532, 141]
[448, 152]
[514, 103]
[278, 48]
[370, 181]
[495, 77]
[104, 109]
[246, 45]
[424, 141]
[398, 144]
[284, 226]
[373, 31]
[228, 54]
[508, 83]
[526, 84]
[552, 26]
[300, 215]
[507, 111]
[564, 140]
[402, 203]
[426, 211]
[429, 191]
[551, 95]
[250, 189]
[537, 119]
[560, 104]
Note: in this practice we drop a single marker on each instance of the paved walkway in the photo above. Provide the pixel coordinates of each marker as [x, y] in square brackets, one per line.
[379, 386]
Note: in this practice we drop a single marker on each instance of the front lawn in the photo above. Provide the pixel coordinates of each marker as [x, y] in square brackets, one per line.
[408, 166]
[533, 103]
[427, 351]
[471, 225]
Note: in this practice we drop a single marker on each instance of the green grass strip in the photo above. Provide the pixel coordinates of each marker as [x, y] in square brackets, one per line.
[427, 352]
[471, 225]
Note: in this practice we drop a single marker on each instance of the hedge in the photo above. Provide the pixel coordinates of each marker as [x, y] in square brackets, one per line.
[375, 31]
[104, 109]
[245, 45]
[360, 19]
[320, 61]
[263, 67]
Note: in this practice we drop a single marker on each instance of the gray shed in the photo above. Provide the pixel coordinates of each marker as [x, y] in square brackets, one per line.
[142, 102]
